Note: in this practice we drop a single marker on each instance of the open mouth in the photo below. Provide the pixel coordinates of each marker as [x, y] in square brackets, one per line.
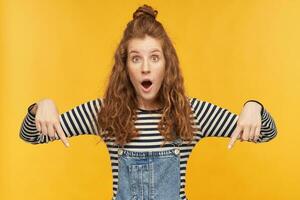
[146, 84]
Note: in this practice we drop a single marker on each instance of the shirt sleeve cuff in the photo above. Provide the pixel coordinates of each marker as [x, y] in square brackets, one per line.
[30, 108]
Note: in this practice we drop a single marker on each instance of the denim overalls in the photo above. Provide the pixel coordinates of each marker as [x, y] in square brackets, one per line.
[153, 175]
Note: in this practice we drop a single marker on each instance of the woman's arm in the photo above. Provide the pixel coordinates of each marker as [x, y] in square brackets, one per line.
[215, 121]
[79, 120]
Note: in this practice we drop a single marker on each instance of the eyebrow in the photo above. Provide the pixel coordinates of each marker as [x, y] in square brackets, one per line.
[134, 51]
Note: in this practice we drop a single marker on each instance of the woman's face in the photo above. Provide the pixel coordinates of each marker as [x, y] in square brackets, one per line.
[146, 68]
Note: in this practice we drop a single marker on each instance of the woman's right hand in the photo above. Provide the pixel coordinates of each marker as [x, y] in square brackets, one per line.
[47, 120]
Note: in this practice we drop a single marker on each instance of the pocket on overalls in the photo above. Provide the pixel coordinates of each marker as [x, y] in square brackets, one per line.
[138, 177]
[127, 180]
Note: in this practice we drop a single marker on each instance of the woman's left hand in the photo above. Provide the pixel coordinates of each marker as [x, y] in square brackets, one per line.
[248, 124]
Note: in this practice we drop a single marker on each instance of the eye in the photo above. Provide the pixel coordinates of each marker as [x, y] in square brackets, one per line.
[155, 58]
[135, 58]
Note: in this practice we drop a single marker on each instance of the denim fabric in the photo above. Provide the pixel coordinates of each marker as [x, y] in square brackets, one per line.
[153, 175]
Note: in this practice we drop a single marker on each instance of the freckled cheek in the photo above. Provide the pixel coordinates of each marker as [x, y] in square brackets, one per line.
[133, 79]
[161, 73]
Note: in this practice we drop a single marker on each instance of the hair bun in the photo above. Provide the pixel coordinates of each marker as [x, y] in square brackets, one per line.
[145, 10]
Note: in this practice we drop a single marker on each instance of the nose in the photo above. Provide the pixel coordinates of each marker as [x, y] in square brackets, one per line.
[145, 67]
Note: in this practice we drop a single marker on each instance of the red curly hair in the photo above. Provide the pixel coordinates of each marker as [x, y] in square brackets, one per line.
[116, 117]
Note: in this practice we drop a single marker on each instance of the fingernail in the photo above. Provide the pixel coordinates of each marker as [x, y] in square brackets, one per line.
[68, 145]
[229, 146]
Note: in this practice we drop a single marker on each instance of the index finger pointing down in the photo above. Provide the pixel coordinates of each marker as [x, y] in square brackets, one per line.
[62, 135]
[234, 137]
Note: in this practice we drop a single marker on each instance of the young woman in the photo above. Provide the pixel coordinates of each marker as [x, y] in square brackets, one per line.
[149, 125]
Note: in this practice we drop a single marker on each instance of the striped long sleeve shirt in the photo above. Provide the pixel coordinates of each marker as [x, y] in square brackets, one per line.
[210, 119]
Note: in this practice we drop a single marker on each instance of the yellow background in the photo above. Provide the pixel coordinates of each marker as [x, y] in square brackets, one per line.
[230, 51]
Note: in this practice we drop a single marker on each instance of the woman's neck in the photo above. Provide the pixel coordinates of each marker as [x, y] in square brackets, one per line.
[148, 105]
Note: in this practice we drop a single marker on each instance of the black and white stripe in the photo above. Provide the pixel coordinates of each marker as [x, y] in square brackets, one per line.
[212, 120]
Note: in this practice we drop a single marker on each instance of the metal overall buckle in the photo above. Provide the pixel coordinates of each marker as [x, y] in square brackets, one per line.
[177, 143]
[120, 151]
